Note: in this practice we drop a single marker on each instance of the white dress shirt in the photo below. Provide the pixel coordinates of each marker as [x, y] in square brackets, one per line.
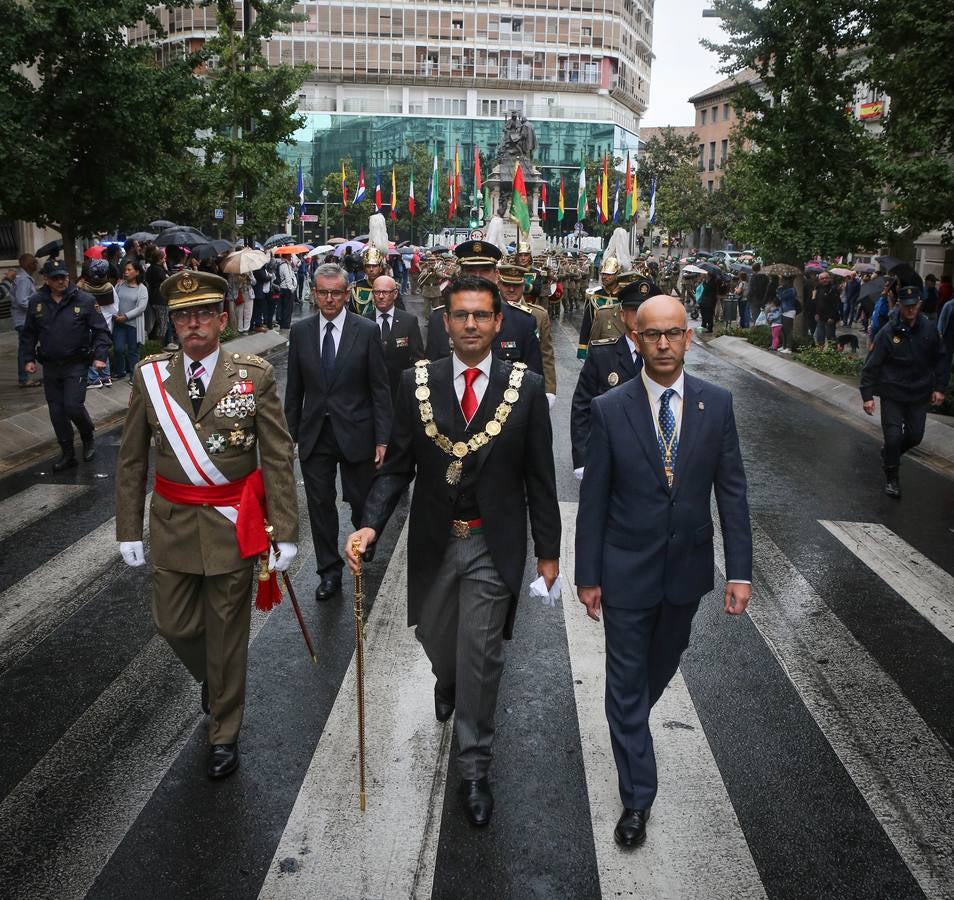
[655, 392]
[633, 352]
[209, 364]
[379, 317]
[480, 382]
[338, 323]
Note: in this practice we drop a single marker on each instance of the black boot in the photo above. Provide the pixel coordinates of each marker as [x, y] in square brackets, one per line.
[892, 486]
[67, 459]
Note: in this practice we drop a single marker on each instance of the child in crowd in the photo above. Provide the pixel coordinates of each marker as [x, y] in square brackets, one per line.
[773, 318]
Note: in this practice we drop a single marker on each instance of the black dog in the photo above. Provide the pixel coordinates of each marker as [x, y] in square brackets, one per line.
[847, 340]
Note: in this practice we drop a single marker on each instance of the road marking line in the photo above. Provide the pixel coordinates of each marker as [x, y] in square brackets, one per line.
[329, 847]
[695, 846]
[901, 769]
[34, 503]
[924, 585]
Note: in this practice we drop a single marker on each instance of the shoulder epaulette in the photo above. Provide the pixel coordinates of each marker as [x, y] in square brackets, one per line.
[249, 358]
[166, 354]
[604, 342]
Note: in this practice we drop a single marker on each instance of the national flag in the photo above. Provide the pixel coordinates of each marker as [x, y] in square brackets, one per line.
[629, 188]
[616, 201]
[582, 204]
[433, 193]
[652, 202]
[543, 202]
[377, 192]
[300, 189]
[456, 177]
[519, 210]
[478, 181]
[410, 194]
[451, 196]
[560, 205]
[359, 193]
[344, 188]
[487, 212]
[393, 195]
[633, 209]
[599, 201]
[604, 194]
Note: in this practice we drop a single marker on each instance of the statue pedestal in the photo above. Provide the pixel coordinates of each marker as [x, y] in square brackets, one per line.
[500, 185]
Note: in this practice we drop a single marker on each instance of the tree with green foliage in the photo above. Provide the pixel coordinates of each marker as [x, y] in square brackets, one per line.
[808, 181]
[683, 205]
[87, 140]
[663, 155]
[909, 59]
[251, 113]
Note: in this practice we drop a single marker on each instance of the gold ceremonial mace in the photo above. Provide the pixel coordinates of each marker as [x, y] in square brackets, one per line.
[359, 664]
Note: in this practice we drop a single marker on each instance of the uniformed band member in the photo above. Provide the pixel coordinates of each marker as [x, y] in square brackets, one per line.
[909, 370]
[223, 466]
[474, 432]
[533, 277]
[610, 362]
[362, 301]
[517, 340]
[603, 296]
[65, 331]
[511, 279]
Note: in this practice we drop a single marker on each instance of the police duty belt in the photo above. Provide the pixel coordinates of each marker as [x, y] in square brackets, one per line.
[460, 449]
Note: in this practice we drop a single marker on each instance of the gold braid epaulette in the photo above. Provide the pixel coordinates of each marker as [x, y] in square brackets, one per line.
[460, 449]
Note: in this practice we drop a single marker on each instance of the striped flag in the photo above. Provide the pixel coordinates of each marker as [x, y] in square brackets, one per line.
[359, 193]
[344, 188]
[629, 188]
[599, 201]
[377, 192]
[434, 193]
[543, 202]
[519, 210]
[300, 189]
[634, 197]
[652, 202]
[410, 194]
[456, 177]
[560, 206]
[604, 193]
[582, 204]
[393, 195]
[478, 181]
[616, 201]
[487, 211]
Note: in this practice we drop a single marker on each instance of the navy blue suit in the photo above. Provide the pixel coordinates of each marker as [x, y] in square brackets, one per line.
[649, 548]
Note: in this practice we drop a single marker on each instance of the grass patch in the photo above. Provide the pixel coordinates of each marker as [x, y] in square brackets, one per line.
[830, 361]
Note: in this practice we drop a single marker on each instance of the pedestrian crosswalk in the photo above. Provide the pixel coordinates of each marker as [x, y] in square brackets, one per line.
[89, 788]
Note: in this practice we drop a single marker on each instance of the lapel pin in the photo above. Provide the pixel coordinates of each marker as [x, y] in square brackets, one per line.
[702, 405]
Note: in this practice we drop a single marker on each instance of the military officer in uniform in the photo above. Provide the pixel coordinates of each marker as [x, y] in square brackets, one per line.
[224, 474]
[517, 339]
[511, 281]
[608, 322]
[362, 299]
[610, 362]
[604, 296]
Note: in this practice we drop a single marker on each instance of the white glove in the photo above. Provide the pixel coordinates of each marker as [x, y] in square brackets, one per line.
[578, 473]
[551, 399]
[283, 559]
[132, 553]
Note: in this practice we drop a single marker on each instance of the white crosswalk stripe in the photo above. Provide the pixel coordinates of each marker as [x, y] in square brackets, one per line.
[31, 505]
[926, 586]
[900, 767]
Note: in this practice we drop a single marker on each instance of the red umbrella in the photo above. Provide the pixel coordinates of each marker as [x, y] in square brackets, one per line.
[95, 252]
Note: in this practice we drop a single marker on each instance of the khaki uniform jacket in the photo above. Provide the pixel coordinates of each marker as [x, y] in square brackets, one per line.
[607, 324]
[545, 335]
[197, 539]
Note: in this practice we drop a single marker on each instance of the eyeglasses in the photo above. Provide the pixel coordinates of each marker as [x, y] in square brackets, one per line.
[481, 315]
[652, 335]
[335, 295]
[203, 316]
[384, 293]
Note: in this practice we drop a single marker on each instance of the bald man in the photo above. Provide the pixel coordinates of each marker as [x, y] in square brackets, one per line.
[658, 446]
[400, 334]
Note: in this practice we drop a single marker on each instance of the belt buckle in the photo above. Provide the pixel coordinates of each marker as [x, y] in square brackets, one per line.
[460, 528]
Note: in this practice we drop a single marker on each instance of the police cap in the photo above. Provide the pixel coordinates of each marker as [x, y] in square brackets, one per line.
[193, 288]
[636, 292]
[477, 254]
[909, 295]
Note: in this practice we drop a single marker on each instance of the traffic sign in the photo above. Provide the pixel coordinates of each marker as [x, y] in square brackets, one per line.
[308, 217]
[476, 235]
[218, 213]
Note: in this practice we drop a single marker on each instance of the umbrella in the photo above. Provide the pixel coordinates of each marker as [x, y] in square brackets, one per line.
[705, 254]
[241, 262]
[741, 267]
[890, 263]
[205, 251]
[710, 267]
[324, 248]
[844, 273]
[364, 238]
[291, 249]
[353, 246]
[95, 252]
[162, 224]
[814, 267]
[693, 270]
[180, 237]
[50, 249]
[865, 268]
[276, 240]
[141, 236]
[337, 240]
[781, 269]
[871, 288]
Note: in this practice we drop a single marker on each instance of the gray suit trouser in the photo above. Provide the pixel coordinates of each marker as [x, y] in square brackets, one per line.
[460, 626]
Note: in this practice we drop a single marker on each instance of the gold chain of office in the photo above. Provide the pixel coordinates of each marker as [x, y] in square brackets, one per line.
[460, 449]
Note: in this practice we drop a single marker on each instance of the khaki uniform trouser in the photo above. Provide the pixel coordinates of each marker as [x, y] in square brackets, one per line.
[206, 620]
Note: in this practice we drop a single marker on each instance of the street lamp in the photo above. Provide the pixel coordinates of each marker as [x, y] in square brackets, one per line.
[324, 194]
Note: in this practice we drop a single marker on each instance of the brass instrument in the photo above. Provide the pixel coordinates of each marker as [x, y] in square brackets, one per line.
[359, 665]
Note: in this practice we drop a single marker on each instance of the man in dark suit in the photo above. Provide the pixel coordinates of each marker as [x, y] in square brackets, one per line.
[338, 407]
[517, 339]
[475, 432]
[608, 363]
[400, 334]
[644, 535]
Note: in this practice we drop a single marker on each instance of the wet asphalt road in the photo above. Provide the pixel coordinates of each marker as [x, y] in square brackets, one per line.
[804, 814]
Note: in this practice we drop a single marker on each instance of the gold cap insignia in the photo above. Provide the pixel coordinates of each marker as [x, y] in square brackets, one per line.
[478, 247]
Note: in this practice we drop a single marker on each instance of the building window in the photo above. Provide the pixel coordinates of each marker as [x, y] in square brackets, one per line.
[726, 110]
[711, 156]
[709, 185]
[715, 114]
[702, 157]
[586, 31]
[702, 117]
[725, 153]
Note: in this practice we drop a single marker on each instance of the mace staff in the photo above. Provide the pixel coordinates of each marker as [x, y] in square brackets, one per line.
[359, 664]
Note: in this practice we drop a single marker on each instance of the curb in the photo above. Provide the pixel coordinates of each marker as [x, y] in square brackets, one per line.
[27, 436]
[938, 436]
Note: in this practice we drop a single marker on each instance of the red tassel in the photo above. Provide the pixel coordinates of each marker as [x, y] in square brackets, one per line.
[269, 592]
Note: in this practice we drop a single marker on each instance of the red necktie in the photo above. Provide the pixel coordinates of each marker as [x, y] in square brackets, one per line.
[468, 403]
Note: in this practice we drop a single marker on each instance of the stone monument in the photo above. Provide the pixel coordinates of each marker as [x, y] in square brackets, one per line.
[517, 144]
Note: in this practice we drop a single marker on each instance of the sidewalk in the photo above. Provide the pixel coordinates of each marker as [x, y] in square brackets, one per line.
[938, 435]
[25, 429]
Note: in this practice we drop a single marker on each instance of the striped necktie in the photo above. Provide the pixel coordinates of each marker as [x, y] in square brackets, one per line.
[196, 386]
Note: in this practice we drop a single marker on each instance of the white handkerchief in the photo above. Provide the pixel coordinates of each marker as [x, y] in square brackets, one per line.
[538, 590]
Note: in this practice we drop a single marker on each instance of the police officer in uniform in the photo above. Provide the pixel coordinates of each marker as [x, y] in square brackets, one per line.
[224, 472]
[610, 362]
[517, 339]
[604, 296]
[65, 330]
[511, 279]
[908, 369]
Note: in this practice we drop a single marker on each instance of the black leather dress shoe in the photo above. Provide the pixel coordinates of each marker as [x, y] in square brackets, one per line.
[478, 802]
[630, 830]
[205, 697]
[444, 703]
[223, 760]
[330, 585]
[89, 450]
[64, 462]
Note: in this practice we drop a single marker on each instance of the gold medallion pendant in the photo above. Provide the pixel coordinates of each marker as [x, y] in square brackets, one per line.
[454, 471]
